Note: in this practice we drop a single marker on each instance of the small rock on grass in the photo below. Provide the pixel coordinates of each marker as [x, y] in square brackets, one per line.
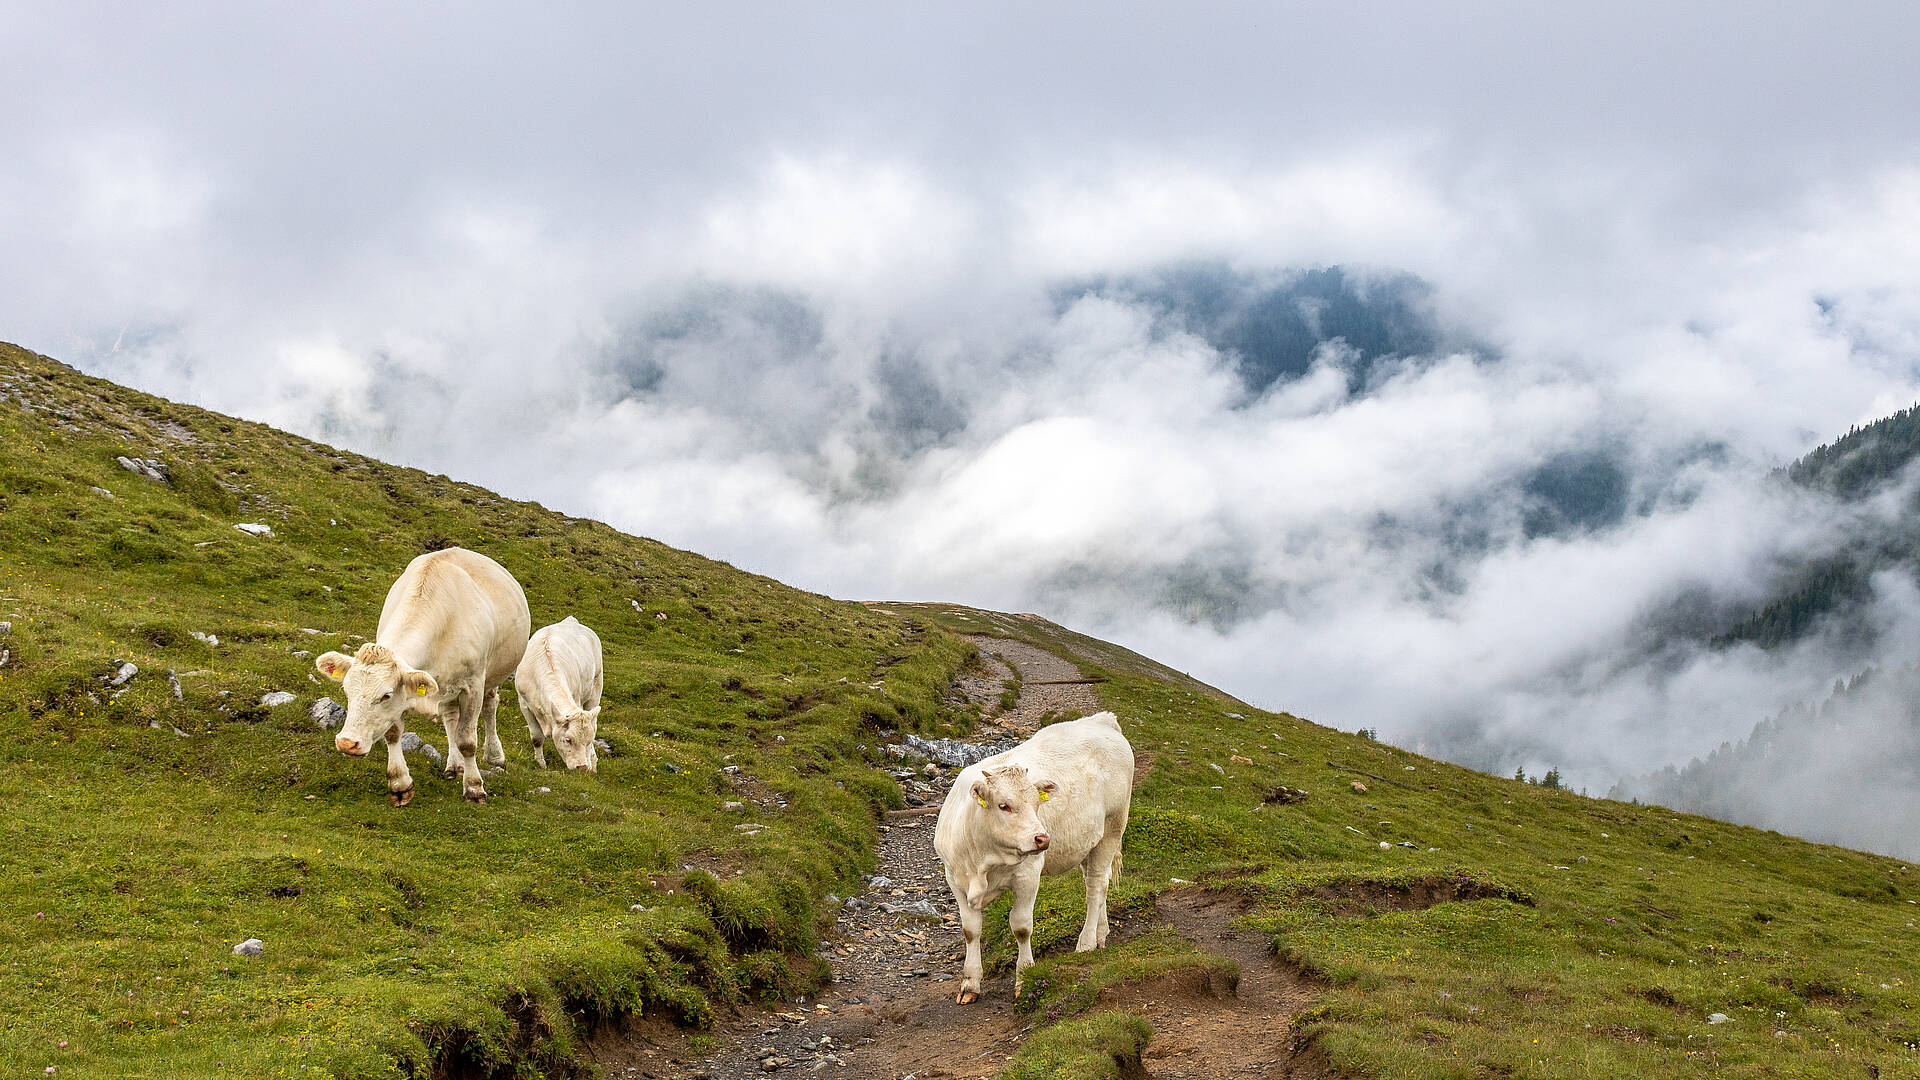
[151, 468]
[127, 671]
[328, 713]
[275, 698]
[412, 743]
[253, 946]
[254, 528]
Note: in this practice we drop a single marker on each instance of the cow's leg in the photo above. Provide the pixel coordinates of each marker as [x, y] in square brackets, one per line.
[1025, 887]
[972, 907]
[1098, 870]
[399, 780]
[489, 711]
[467, 737]
[450, 720]
[536, 734]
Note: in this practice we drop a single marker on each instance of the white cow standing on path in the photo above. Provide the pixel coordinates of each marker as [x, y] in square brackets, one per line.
[453, 628]
[559, 683]
[1053, 803]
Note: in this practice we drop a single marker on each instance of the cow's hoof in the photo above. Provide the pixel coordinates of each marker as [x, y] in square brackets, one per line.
[400, 798]
[450, 774]
[478, 800]
[966, 997]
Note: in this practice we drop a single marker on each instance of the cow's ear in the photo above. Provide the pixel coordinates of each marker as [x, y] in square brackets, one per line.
[421, 692]
[333, 665]
[1047, 789]
[594, 714]
[980, 791]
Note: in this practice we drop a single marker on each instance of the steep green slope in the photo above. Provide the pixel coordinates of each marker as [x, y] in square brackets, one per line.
[146, 832]
[1506, 929]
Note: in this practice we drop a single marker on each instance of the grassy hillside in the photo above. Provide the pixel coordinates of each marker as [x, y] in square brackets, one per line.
[1507, 929]
[145, 833]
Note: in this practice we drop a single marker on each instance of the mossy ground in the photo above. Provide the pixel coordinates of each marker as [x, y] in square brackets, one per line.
[1526, 932]
[396, 939]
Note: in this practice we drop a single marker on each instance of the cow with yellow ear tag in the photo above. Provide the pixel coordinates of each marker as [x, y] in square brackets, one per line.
[453, 627]
[1054, 803]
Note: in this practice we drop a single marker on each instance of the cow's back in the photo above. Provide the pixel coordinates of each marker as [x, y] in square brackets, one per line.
[1093, 763]
[458, 608]
[573, 651]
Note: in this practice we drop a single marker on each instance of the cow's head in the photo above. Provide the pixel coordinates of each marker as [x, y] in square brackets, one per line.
[380, 692]
[573, 737]
[1009, 803]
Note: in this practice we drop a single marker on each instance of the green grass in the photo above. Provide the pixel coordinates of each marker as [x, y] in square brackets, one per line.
[397, 941]
[1574, 937]
[1086, 1048]
[1070, 983]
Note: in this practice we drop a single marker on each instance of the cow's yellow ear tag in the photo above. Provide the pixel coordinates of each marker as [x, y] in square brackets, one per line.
[981, 801]
[419, 691]
[1043, 794]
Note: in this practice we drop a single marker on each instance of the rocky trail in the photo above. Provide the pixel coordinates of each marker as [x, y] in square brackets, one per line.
[895, 950]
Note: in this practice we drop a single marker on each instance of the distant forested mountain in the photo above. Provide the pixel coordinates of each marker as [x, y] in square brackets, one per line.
[1862, 464]
[1272, 326]
[1846, 772]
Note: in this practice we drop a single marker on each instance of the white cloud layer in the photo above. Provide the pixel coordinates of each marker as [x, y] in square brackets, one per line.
[841, 296]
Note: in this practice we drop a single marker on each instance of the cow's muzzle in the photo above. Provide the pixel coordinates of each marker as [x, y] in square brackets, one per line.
[1040, 841]
[349, 746]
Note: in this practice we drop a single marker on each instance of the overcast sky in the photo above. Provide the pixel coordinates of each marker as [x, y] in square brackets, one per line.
[863, 296]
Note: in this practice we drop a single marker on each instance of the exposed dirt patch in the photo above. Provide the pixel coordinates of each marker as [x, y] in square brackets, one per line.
[1199, 1033]
[1048, 685]
[981, 682]
[1374, 898]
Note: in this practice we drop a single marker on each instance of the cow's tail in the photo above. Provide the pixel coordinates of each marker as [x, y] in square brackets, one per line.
[1113, 869]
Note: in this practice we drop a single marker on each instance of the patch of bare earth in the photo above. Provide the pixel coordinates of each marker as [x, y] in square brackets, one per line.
[889, 1010]
[1049, 686]
[1374, 898]
[1204, 1028]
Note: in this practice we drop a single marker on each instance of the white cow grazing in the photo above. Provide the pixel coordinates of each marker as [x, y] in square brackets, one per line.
[453, 627]
[1053, 803]
[559, 683]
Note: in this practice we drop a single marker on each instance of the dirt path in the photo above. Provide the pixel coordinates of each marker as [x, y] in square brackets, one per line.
[889, 1011]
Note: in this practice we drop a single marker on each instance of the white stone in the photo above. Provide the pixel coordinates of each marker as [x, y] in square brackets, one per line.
[253, 946]
[328, 713]
[255, 528]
